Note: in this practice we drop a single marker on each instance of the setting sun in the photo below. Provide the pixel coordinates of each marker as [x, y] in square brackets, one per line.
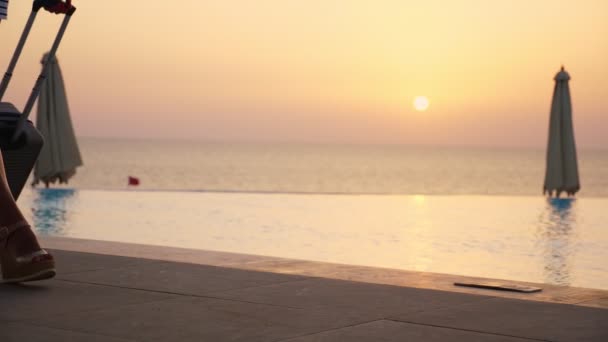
[421, 103]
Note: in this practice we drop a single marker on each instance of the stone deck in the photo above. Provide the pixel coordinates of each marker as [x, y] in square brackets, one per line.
[122, 292]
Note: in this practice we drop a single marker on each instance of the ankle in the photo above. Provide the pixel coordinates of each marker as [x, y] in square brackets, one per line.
[19, 238]
[15, 224]
[7, 230]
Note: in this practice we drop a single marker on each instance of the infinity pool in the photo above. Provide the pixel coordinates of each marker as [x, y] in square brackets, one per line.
[518, 238]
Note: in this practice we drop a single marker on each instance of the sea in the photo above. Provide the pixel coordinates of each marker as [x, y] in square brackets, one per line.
[458, 210]
[326, 168]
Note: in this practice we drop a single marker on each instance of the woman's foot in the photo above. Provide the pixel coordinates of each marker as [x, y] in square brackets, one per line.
[21, 258]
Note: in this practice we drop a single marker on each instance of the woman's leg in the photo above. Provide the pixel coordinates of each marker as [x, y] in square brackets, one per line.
[22, 241]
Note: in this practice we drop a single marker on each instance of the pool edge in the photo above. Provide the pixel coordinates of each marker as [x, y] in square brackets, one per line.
[434, 281]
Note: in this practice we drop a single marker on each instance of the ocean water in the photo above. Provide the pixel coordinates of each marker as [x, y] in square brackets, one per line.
[469, 211]
[317, 168]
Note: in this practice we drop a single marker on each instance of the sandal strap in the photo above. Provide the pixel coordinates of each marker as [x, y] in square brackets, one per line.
[30, 257]
[6, 231]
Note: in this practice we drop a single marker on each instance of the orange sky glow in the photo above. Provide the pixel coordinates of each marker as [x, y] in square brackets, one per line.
[324, 70]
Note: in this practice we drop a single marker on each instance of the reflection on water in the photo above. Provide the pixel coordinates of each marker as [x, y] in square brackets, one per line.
[556, 230]
[49, 208]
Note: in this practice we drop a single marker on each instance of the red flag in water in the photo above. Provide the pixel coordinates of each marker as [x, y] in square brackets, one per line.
[133, 180]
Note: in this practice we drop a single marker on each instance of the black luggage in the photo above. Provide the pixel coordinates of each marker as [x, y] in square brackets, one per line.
[20, 142]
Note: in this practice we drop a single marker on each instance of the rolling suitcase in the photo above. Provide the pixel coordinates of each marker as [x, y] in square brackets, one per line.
[20, 142]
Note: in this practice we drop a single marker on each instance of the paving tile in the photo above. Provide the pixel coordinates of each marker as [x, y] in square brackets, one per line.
[16, 332]
[382, 300]
[260, 306]
[71, 262]
[202, 319]
[48, 298]
[545, 321]
[180, 278]
[391, 331]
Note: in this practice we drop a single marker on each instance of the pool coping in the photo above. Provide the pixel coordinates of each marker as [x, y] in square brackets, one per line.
[365, 274]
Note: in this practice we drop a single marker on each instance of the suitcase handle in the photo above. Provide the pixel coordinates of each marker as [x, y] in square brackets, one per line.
[42, 77]
[36, 6]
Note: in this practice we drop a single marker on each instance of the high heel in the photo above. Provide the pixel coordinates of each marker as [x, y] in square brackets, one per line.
[38, 265]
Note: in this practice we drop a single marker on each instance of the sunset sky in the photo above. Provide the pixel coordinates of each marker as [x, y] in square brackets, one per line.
[324, 70]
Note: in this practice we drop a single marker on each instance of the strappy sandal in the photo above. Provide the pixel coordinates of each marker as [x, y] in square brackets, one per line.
[38, 265]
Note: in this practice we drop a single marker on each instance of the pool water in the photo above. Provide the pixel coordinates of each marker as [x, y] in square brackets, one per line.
[505, 237]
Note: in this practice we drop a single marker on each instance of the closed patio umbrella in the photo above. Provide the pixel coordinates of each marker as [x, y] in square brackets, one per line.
[561, 174]
[60, 155]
